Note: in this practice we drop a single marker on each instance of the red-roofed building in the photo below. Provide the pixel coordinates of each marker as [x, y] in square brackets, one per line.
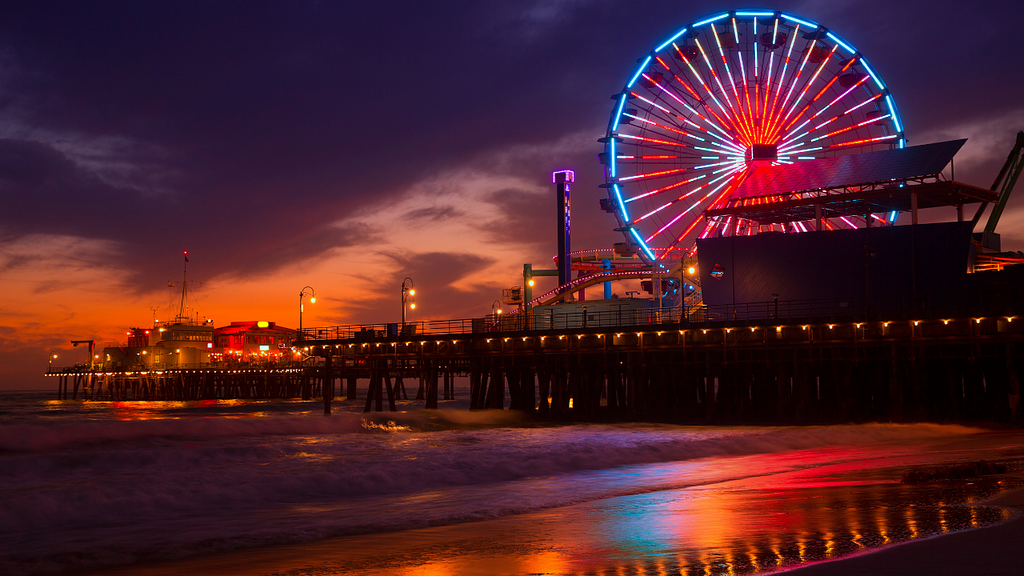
[255, 340]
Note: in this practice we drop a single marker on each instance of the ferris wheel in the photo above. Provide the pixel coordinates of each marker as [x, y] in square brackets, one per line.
[722, 98]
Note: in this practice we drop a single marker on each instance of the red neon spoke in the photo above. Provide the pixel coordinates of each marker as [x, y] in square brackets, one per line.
[790, 143]
[782, 78]
[681, 145]
[676, 98]
[665, 189]
[669, 128]
[827, 122]
[864, 142]
[821, 92]
[688, 88]
[621, 157]
[665, 227]
[661, 174]
[737, 120]
[768, 77]
[705, 86]
[772, 130]
[672, 114]
[729, 186]
[803, 93]
[683, 197]
[693, 71]
[728, 72]
[651, 213]
[853, 126]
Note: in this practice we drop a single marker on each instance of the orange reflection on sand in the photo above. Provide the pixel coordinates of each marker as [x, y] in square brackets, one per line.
[734, 528]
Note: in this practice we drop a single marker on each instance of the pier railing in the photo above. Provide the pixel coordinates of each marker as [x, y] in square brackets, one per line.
[157, 369]
[551, 318]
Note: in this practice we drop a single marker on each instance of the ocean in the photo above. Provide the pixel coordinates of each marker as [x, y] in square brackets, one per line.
[277, 487]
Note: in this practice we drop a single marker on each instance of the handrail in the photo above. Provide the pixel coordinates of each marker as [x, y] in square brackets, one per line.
[552, 319]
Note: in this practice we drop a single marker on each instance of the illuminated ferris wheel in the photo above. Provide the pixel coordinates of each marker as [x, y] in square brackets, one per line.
[722, 98]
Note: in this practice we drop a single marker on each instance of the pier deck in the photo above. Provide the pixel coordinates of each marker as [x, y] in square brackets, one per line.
[754, 364]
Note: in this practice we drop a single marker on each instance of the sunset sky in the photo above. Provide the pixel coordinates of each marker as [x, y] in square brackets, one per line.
[348, 145]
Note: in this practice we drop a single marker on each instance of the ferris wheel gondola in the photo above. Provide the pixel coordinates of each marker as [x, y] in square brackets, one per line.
[719, 99]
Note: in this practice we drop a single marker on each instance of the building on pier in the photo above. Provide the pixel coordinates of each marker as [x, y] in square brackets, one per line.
[252, 341]
[161, 346]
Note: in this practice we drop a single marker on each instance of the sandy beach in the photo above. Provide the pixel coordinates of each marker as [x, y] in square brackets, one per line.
[855, 512]
[993, 551]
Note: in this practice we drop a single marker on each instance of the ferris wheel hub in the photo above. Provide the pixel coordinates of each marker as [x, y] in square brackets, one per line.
[763, 154]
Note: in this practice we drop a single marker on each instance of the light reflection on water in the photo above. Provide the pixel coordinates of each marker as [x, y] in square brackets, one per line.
[735, 528]
[127, 410]
[746, 531]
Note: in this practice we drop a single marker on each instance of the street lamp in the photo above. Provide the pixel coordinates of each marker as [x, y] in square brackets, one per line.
[408, 289]
[312, 300]
[52, 358]
[496, 308]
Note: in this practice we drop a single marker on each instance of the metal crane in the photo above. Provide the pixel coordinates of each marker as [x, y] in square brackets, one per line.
[1004, 184]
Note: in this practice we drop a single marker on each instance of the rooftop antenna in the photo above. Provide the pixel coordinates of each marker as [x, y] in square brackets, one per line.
[184, 317]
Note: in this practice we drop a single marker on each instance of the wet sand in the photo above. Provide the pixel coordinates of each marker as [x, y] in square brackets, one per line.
[760, 524]
[994, 551]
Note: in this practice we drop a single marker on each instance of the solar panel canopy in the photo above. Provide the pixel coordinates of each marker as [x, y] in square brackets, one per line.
[857, 169]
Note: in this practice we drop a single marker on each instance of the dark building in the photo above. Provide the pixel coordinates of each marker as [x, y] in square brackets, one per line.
[916, 269]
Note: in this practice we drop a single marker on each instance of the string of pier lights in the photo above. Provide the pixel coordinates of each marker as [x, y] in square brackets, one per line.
[778, 329]
[727, 330]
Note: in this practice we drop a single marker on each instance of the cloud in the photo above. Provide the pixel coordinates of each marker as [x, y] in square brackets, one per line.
[527, 22]
[45, 191]
[989, 139]
[434, 213]
[289, 252]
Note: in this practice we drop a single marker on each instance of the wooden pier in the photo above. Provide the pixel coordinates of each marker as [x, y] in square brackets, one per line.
[197, 383]
[732, 372]
[759, 368]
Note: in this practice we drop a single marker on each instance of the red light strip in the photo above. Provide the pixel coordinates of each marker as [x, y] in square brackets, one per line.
[819, 95]
[669, 128]
[853, 126]
[665, 227]
[738, 119]
[677, 99]
[803, 93]
[653, 174]
[666, 188]
[789, 144]
[737, 178]
[778, 87]
[739, 166]
[673, 113]
[631, 137]
[776, 124]
[651, 213]
[697, 76]
[867, 141]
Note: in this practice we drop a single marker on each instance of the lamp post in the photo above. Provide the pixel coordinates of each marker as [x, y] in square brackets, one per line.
[52, 358]
[496, 308]
[408, 289]
[312, 300]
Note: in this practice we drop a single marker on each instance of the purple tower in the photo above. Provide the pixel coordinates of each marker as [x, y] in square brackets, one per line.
[561, 179]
